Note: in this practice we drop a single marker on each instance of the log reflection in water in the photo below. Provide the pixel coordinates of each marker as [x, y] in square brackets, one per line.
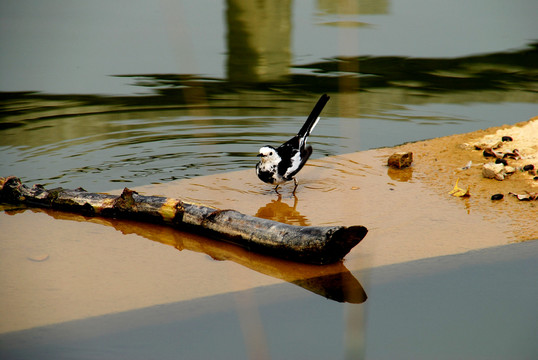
[332, 281]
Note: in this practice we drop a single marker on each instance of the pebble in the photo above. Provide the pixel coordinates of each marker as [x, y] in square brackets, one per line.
[492, 144]
[400, 159]
[497, 197]
[509, 169]
[493, 171]
[489, 153]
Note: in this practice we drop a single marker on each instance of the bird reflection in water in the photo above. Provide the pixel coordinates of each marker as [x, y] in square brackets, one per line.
[280, 211]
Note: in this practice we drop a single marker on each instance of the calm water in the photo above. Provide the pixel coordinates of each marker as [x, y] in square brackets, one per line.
[479, 305]
[104, 94]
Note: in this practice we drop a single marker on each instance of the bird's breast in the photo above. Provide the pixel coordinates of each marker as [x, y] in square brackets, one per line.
[268, 172]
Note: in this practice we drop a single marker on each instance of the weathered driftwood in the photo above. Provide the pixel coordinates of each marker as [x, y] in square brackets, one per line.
[310, 244]
[332, 281]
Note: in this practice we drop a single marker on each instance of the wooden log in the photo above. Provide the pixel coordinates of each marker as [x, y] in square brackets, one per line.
[309, 244]
[332, 281]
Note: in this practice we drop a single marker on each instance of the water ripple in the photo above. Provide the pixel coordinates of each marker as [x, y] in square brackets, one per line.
[88, 150]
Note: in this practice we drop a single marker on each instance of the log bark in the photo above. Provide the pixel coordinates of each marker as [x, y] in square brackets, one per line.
[309, 244]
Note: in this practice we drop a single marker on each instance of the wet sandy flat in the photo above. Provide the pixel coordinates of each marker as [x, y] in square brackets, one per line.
[409, 212]
[58, 267]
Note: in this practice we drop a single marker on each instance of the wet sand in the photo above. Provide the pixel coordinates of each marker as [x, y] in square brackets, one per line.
[58, 267]
[409, 212]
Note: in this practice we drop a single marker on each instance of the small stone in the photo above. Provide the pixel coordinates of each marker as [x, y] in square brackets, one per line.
[492, 144]
[497, 197]
[528, 167]
[509, 169]
[501, 161]
[400, 160]
[507, 138]
[489, 153]
[493, 171]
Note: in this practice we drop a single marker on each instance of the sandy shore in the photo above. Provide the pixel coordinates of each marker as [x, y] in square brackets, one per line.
[79, 267]
[409, 212]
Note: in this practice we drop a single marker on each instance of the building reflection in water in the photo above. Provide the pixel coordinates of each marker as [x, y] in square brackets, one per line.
[354, 7]
[259, 37]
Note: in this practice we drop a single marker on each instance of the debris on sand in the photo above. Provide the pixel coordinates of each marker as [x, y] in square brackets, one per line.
[529, 196]
[488, 144]
[494, 171]
[459, 192]
[400, 160]
[468, 165]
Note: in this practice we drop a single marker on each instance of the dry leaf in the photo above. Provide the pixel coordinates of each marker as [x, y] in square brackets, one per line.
[459, 192]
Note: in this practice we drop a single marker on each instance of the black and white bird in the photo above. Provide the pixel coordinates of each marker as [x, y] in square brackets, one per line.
[279, 165]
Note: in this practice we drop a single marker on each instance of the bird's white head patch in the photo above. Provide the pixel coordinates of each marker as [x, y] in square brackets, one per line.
[268, 154]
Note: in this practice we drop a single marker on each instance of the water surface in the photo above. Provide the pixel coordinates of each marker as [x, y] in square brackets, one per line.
[469, 306]
[107, 94]
[151, 93]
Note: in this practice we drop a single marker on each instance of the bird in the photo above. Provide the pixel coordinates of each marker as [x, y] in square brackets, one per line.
[281, 164]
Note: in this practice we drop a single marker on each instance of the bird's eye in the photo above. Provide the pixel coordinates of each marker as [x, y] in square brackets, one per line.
[271, 153]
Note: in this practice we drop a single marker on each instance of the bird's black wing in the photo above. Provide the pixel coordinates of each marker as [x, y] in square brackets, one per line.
[293, 153]
[292, 157]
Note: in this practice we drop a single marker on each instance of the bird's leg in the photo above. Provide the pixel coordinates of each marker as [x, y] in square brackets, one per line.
[295, 188]
[276, 189]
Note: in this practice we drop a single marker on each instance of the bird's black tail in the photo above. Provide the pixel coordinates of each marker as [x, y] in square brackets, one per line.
[311, 121]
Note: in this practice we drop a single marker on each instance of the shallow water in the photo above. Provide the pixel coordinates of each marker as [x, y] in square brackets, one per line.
[104, 96]
[463, 306]
[185, 101]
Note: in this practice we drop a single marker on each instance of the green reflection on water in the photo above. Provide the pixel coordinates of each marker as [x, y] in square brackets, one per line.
[193, 125]
[186, 125]
[505, 76]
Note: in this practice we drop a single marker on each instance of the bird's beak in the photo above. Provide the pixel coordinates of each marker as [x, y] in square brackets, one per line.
[259, 155]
